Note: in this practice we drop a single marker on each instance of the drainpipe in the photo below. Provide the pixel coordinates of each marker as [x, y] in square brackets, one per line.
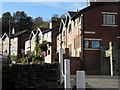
[82, 33]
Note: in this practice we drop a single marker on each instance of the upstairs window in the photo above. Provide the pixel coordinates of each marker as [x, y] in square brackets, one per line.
[109, 18]
[70, 49]
[63, 33]
[77, 43]
[69, 29]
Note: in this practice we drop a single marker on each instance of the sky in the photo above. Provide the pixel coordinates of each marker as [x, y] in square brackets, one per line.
[43, 9]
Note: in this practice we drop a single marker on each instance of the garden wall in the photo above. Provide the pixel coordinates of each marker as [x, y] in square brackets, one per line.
[30, 76]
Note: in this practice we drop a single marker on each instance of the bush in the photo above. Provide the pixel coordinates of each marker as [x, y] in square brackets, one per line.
[13, 58]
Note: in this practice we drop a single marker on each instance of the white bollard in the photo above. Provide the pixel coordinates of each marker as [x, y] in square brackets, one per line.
[80, 80]
[67, 85]
[61, 64]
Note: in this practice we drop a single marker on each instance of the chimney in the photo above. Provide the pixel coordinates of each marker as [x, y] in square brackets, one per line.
[54, 22]
[13, 31]
[90, 2]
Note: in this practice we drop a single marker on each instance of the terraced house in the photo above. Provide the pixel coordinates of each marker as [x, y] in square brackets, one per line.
[87, 32]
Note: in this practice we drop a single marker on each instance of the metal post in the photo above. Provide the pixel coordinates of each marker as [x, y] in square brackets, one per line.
[109, 54]
[67, 85]
[111, 61]
[61, 64]
[80, 80]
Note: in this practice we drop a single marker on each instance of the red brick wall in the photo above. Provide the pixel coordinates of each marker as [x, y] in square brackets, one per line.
[93, 22]
[75, 64]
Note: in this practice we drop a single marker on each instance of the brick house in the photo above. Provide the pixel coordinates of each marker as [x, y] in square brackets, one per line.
[30, 41]
[95, 26]
[18, 42]
[67, 33]
[69, 39]
[100, 26]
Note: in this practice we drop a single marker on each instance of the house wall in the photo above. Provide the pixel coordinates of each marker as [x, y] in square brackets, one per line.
[70, 37]
[21, 42]
[14, 46]
[27, 46]
[93, 23]
[51, 37]
[48, 38]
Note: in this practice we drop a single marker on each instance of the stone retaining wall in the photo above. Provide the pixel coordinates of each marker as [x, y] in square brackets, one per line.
[30, 76]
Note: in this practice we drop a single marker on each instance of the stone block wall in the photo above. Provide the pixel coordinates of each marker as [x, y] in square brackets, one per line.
[30, 76]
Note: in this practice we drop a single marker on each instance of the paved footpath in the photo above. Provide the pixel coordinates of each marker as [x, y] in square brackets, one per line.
[97, 81]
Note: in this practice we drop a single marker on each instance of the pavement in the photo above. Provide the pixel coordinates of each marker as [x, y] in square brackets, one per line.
[98, 82]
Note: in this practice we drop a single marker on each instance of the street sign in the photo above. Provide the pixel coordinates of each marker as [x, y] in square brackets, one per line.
[108, 53]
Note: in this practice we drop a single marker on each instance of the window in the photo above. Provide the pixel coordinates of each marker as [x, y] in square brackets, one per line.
[40, 37]
[70, 49]
[86, 43]
[74, 23]
[95, 44]
[69, 29]
[76, 53]
[48, 52]
[63, 33]
[109, 19]
[78, 20]
[58, 38]
[77, 43]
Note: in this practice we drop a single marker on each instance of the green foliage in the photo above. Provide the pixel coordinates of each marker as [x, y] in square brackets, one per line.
[39, 22]
[43, 46]
[21, 21]
[38, 60]
[5, 21]
[37, 49]
[24, 60]
[13, 58]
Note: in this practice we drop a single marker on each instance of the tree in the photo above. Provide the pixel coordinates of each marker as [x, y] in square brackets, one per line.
[37, 49]
[5, 21]
[22, 21]
[38, 22]
[43, 46]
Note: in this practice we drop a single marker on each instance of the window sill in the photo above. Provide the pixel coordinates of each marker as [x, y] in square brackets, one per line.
[110, 25]
[91, 49]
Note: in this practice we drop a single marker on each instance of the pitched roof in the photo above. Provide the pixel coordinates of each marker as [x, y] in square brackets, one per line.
[71, 13]
[94, 5]
[57, 27]
[19, 33]
[4, 36]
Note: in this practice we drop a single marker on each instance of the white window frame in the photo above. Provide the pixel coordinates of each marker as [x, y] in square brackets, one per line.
[107, 16]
